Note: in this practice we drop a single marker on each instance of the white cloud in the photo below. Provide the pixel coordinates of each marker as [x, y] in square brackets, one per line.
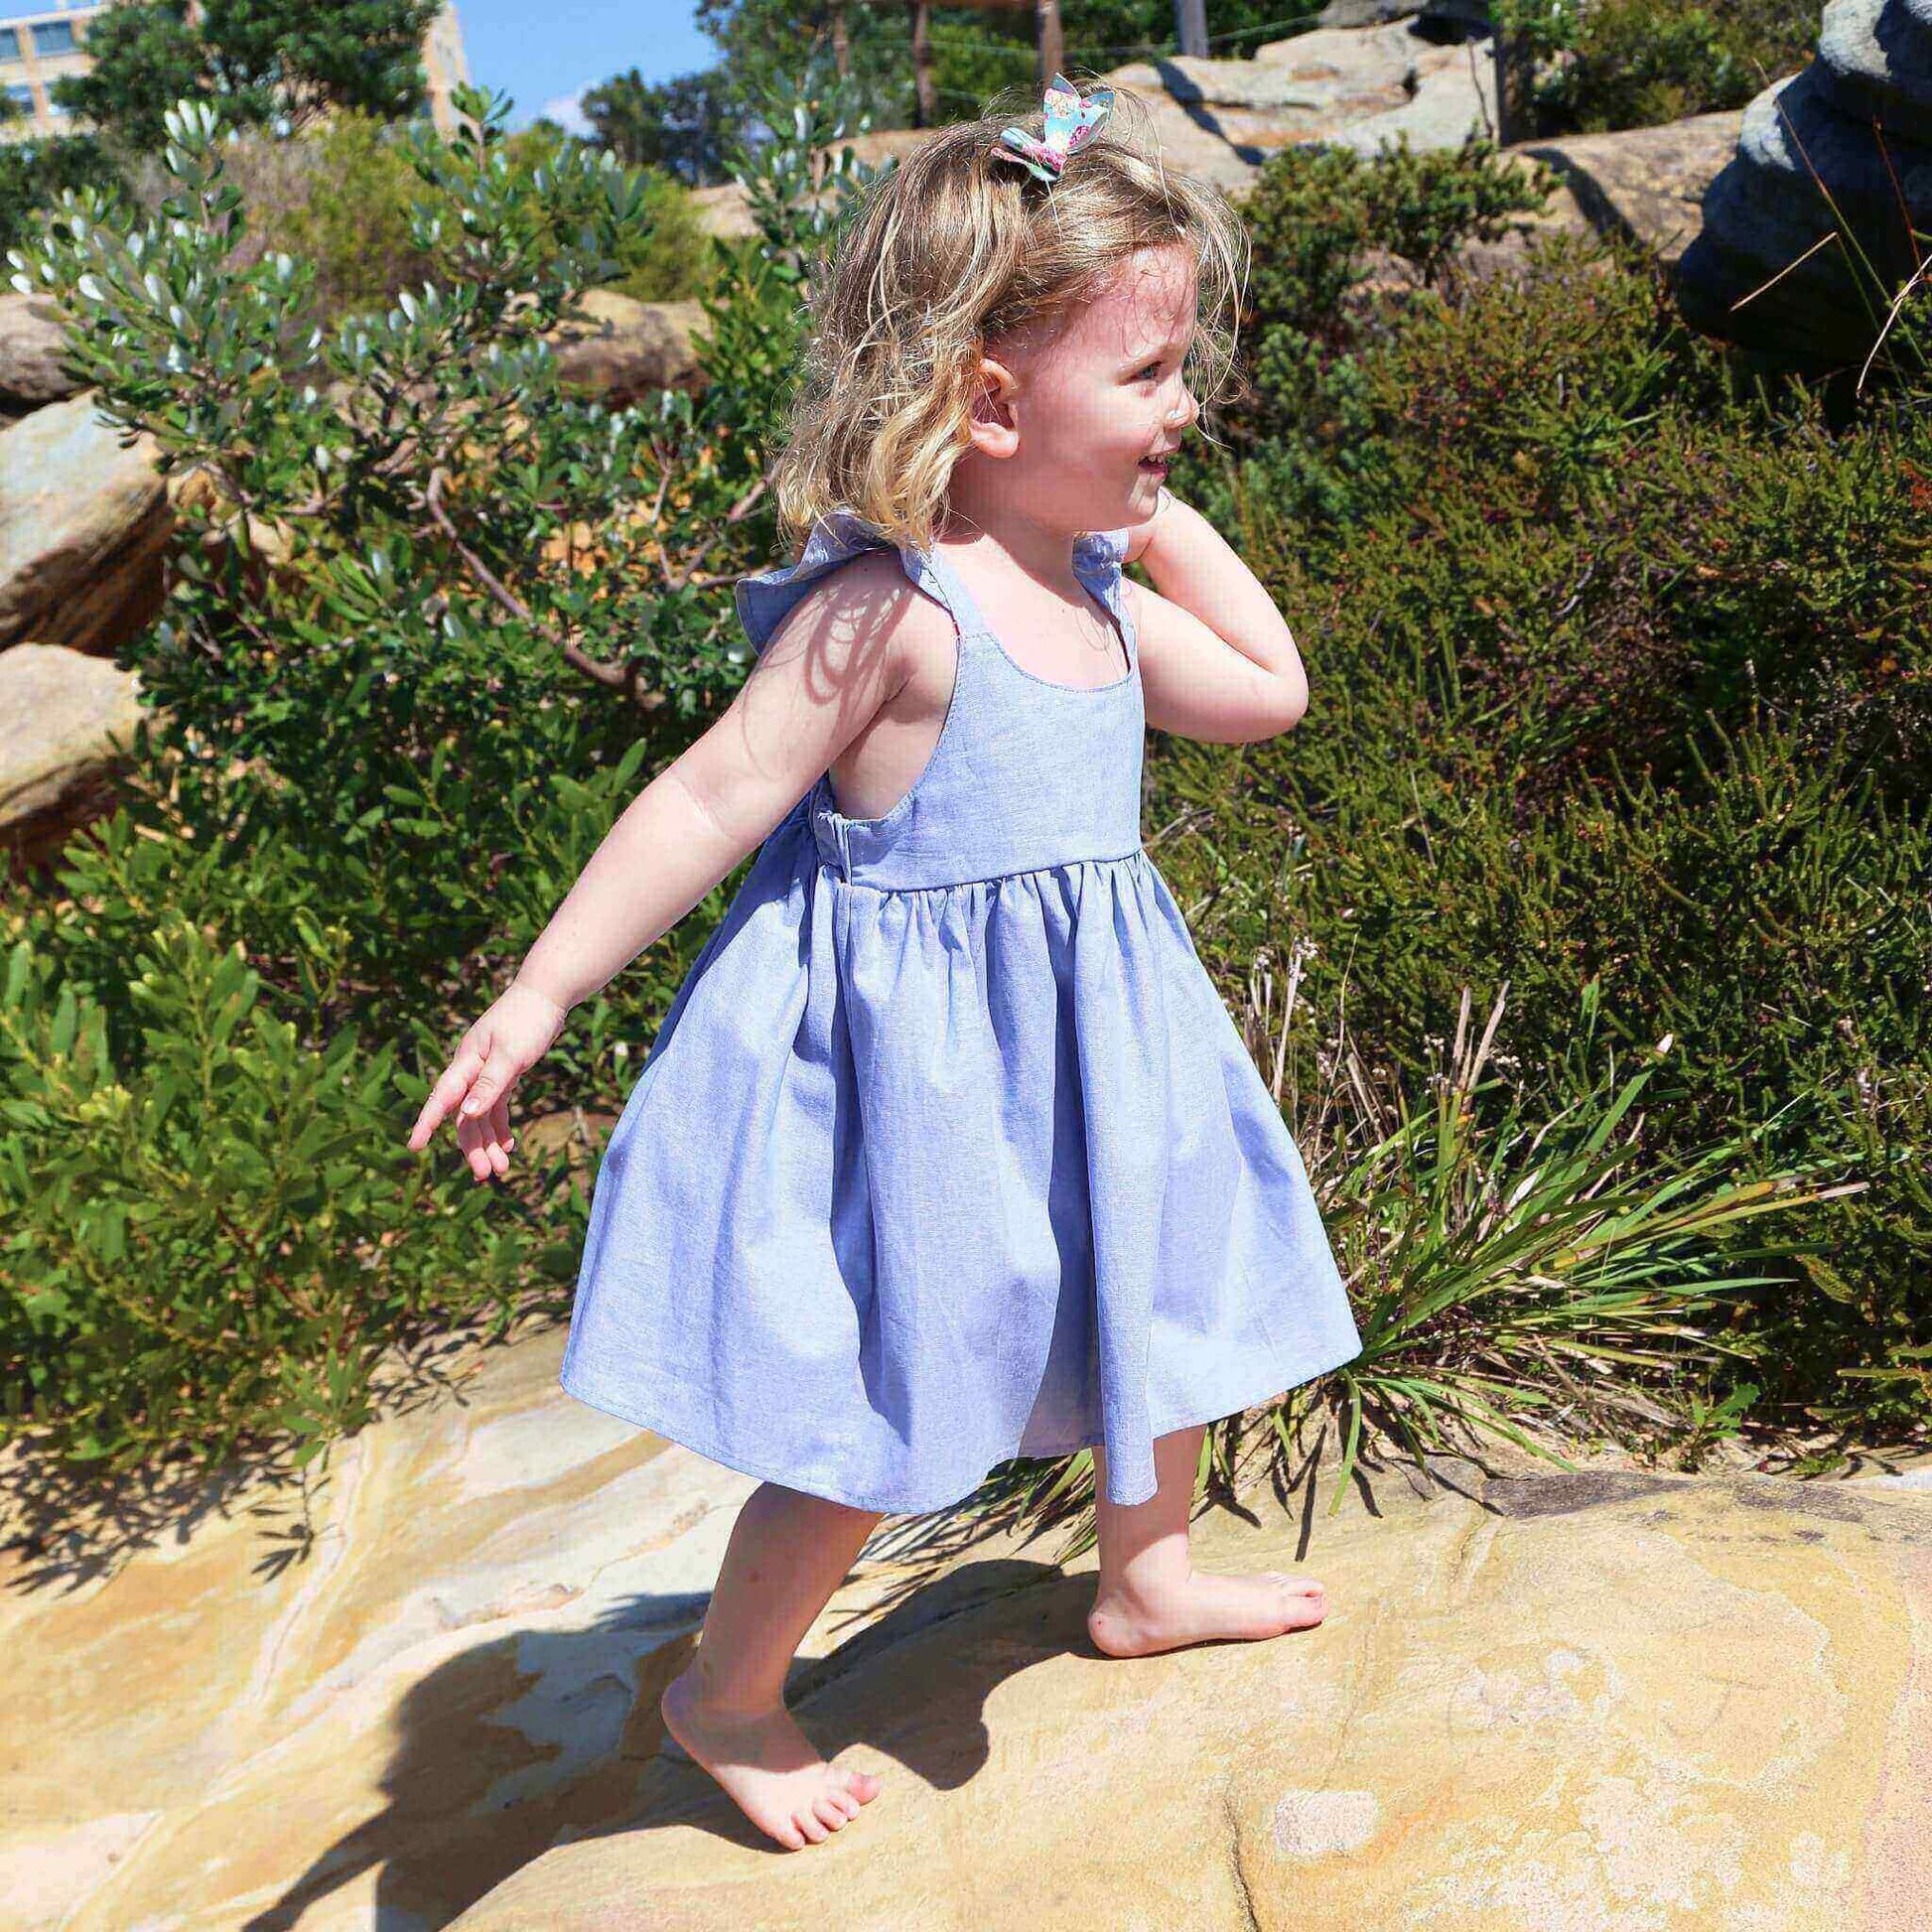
[567, 113]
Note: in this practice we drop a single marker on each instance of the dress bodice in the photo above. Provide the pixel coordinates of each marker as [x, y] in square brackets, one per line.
[1027, 774]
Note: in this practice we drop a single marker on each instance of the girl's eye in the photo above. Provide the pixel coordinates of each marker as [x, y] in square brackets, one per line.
[1151, 368]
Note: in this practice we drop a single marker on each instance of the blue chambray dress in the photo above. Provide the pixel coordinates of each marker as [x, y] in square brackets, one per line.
[947, 1150]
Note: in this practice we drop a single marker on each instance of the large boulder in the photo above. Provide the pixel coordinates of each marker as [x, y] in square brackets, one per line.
[424, 1690]
[1876, 63]
[85, 521]
[1357, 85]
[1642, 185]
[66, 720]
[31, 344]
[1367, 12]
[626, 349]
[1835, 158]
[1608, 1699]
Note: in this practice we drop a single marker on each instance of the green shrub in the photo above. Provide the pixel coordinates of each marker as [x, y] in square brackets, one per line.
[1314, 216]
[1617, 64]
[220, 1231]
[418, 647]
[348, 215]
[677, 263]
[34, 172]
[1619, 675]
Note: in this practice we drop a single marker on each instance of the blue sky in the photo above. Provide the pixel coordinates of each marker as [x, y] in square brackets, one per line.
[544, 56]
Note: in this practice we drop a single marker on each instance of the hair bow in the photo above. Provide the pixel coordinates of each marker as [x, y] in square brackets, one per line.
[1070, 122]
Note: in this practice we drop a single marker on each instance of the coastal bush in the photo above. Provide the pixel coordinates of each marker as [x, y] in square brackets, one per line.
[430, 620]
[1619, 665]
[1603, 65]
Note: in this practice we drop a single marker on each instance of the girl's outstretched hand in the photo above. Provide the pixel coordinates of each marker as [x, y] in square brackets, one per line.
[511, 1036]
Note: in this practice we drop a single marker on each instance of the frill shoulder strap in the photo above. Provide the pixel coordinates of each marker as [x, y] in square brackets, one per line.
[764, 598]
[1098, 558]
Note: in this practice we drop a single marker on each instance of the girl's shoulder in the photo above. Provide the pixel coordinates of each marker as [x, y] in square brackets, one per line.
[766, 599]
[848, 576]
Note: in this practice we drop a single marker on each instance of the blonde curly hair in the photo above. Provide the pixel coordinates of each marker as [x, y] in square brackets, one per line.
[956, 246]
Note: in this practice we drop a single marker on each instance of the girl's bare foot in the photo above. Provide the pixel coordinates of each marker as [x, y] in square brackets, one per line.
[1202, 1607]
[767, 1766]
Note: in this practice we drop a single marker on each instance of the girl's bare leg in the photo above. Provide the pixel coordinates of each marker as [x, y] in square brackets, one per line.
[1151, 1597]
[788, 1552]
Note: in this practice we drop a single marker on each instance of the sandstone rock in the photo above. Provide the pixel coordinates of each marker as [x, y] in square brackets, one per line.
[1452, 100]
[1368, 13]
[84, 524]
[628, 348]
[1221, 119]
[66, 720]
[721, 211]
[1643, 184]
[32, 344]
[1845, 145]
[1600, 1700]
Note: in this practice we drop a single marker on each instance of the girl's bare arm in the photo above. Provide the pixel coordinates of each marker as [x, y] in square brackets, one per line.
[1218, 661]
[821, 679]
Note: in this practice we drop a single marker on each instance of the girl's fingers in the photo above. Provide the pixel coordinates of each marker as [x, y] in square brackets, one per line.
[468, 1139]
[485, 1140]
[447, 1092]
[480, 1147]
[491, 1085]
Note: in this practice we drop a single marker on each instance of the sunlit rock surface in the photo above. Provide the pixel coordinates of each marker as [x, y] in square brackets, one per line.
[1561, 1704]
[83, 522]
[1603, 1700]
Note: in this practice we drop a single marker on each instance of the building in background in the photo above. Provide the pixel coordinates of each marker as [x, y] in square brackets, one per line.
[40, 44]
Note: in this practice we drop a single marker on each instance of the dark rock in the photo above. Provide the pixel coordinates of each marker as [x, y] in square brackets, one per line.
[1808, 230]
[1876, 63]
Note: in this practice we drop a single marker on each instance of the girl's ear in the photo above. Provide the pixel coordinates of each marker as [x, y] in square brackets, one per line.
[992, 425]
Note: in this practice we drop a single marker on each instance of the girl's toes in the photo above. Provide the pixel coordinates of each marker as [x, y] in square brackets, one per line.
[807, 1822]
[831, 1814]
[862, 1784]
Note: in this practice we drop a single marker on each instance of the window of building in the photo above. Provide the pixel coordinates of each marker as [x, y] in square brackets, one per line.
[54, 36]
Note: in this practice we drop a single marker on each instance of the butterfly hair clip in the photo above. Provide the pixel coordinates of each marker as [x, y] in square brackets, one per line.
[1070, 122]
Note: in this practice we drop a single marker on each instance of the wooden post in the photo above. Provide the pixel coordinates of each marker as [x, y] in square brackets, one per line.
[1190, 27]
[841, 41]
[1049, 42]
[925, 111]
[1515, 85]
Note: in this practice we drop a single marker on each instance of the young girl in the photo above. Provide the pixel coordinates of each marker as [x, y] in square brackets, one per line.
[947, 1151]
